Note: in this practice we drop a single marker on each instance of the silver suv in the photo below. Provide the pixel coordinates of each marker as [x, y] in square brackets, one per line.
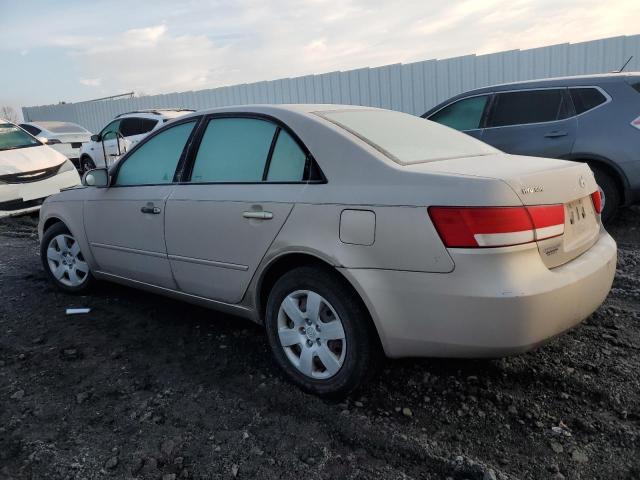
[593, 119]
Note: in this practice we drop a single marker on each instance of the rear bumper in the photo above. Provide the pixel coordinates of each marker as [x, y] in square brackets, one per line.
[494, 303]
[21, 196]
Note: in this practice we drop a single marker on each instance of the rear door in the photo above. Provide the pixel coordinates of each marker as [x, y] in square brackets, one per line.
[125, 222]
[245, 178]
[532, 122]
[465, 115]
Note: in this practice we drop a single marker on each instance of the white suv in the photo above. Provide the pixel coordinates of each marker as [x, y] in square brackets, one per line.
[122, 134]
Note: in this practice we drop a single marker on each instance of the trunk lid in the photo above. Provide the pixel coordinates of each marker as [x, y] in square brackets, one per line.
[542, 181]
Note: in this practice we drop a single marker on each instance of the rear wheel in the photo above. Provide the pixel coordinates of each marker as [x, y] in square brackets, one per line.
[63, 261]
[610, 193]
[320, 333]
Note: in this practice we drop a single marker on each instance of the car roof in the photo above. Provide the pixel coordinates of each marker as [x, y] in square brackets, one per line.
[156, 112]
[595, 80]
[47, 124]
[301, 108]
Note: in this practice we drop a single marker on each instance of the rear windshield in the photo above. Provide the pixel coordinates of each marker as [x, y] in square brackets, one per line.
[406, 139]
[12, 137]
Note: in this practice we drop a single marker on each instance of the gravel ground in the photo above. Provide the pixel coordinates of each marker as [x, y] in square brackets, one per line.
[146, 387]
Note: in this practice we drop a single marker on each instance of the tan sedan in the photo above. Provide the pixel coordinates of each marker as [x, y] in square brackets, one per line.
[348, 232]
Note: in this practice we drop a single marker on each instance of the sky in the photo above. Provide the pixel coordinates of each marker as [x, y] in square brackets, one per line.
[52, 51]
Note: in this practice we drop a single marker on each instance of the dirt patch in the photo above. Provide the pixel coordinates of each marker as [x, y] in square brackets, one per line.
[146, 387]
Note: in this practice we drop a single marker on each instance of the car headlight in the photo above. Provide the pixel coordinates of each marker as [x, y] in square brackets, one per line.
[67, 166]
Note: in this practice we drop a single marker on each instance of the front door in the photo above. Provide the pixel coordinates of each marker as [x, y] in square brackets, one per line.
[125, 229]
[246, 177]
[125, 222]
[532, 122]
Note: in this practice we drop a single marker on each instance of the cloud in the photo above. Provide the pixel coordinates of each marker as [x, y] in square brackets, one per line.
[207, 43]
[91, 82]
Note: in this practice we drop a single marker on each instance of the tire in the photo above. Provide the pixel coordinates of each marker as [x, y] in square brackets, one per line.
[63, 261]
[86, 164]
[354, 359]
[611, 193]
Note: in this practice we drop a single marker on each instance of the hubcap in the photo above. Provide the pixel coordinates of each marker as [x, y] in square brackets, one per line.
[311, 334]
[66, 261]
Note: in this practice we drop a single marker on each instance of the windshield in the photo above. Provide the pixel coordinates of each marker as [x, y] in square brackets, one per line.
[62, 127]
[407, 139]
[12, 136]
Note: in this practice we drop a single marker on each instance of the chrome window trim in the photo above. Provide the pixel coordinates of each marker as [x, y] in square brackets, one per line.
[600, 89]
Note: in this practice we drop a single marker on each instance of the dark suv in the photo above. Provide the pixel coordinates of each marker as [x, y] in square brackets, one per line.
[593, 119]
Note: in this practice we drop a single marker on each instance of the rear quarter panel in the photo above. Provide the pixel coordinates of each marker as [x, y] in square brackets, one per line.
[606, 134]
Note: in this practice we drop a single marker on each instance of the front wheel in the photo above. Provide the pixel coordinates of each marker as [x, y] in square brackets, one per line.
[63, 261]
[86, 164]
[320, 333]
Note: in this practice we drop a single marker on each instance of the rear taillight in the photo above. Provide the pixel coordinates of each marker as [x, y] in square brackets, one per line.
[470, 227]
[596, 198]
[636, 123]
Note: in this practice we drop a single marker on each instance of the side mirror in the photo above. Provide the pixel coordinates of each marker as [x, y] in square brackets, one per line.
[95, 137]
[98, 177]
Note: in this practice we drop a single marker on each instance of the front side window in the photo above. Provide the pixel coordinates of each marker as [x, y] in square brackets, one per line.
[585, 99]
[110, 131]
[233, 150]
[465, 114]
[13, 137]
[530, 106]
[155, 161]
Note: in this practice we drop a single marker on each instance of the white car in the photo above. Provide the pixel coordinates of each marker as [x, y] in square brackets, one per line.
[64, 137]
[121, 134]
[30, 171]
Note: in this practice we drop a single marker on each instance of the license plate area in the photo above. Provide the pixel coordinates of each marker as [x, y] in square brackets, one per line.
[580, 223]
[76, 144]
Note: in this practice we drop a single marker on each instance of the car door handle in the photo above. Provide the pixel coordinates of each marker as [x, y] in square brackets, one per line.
[556, 134]
[258, 214]
[150, 209]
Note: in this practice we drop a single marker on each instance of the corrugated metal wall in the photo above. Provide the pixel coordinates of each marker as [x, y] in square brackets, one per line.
[411, 88]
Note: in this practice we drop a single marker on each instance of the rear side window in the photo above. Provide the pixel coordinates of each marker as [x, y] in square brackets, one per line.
[154, 162]
[585, 99]
[288, 160]
[147, 124]
[465, 114]
[233, 150]
[136, 126]
[531, 106]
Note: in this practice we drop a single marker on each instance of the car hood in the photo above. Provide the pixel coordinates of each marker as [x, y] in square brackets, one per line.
[29, 159]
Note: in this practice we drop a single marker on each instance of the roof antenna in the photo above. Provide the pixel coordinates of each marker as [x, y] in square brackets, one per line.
[623, 66]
